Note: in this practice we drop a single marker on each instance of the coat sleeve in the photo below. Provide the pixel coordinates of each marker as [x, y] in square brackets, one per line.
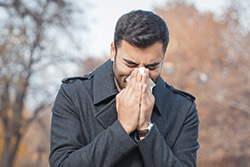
[68, 148]
[157, 153]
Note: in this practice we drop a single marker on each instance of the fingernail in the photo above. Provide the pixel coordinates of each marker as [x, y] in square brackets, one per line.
[133, 72]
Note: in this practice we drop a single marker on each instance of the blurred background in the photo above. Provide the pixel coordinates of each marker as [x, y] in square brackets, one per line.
[43, 41]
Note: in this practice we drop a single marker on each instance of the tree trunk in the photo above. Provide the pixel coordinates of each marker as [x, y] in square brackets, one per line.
[11, 145]
[13, 152]
[6, 150]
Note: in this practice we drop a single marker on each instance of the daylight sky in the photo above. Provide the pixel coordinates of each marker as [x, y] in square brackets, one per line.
[103, 14]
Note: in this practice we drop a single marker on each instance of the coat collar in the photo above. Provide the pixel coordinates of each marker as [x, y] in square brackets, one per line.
[103, 83]
[160, 94]
[104, 88]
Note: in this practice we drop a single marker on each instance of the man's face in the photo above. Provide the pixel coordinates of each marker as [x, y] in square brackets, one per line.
[129, 57]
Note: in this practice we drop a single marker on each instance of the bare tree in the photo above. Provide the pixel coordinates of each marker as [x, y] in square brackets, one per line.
[27, 46]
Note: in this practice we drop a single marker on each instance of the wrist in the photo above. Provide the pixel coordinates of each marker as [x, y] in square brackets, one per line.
[143, 133]
[129, 129]
[143, 124]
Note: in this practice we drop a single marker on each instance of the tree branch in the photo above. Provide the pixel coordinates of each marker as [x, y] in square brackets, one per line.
[4, 5]
[36, 111]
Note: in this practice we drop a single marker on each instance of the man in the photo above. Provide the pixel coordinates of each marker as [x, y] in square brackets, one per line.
[104, 119]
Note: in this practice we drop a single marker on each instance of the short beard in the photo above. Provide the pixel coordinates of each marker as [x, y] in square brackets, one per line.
[117, 83]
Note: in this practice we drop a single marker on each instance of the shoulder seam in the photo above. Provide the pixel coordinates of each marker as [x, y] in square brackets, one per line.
[182, 93]
[72, 79]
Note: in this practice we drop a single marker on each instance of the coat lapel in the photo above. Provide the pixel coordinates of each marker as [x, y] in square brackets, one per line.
[107, 115]
[104, 91]
[103, 83]
[160, 94]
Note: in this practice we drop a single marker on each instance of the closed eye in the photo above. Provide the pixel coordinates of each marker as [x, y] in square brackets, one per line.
[133, 64]
[130, 63]
[152, 66]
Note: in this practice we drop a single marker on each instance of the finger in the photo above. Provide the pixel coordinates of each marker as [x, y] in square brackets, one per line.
[139, 77]
[145, 78]
[133, 93]
[144, 90]
[138, 93]
[146, 72]
[119, 95]
[143, 109]
[147, 101]
[133, 76]
[121, 92]
[135, 80]
[147, 98]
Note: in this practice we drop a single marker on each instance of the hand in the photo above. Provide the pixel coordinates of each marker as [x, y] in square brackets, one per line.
[128, 102]
[147, 103]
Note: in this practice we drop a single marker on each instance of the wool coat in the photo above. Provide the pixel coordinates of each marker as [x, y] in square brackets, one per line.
[85, 131]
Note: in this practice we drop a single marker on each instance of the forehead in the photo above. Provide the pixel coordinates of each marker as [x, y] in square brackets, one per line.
[153, 53]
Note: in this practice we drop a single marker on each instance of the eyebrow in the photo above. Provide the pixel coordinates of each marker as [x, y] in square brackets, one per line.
[130, 62]
[146, 65]
[152, 64]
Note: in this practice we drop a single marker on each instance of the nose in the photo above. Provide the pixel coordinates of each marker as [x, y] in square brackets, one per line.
[142, 69]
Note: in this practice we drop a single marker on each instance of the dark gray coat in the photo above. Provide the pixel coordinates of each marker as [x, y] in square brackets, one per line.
[85, 131]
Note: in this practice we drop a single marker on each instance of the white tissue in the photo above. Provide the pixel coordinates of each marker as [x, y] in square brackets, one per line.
[151, 82]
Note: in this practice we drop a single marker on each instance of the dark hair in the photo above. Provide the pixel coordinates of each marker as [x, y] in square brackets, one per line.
[141, 29]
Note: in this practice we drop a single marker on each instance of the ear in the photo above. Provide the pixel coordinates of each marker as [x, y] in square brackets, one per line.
[112, 51]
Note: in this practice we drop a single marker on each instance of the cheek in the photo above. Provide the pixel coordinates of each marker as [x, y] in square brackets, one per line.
[154, 75]
[123, 72]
